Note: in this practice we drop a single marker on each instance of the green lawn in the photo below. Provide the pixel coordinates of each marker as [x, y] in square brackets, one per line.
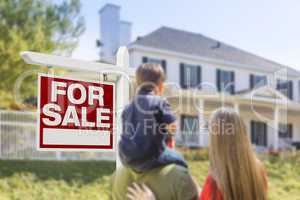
[53, 180]
[284, 179]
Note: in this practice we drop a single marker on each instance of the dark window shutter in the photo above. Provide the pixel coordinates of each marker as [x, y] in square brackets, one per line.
[183, 135]
[290, 129]
[279, 85]
[252, 132]
[265, 143]
[232, 86]
[182, 74]
[286, 86]
[144, 59]
[199, 76]
[164, 65]
[219, 80]
[251, 81]
[290, 90]
[182, 123]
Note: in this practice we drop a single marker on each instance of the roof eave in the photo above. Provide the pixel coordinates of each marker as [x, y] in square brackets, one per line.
[134, 46]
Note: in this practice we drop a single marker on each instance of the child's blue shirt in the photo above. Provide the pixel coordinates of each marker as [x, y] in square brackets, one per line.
[142, 145]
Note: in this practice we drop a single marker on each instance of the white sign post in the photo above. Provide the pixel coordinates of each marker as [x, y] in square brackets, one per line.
[121, 70]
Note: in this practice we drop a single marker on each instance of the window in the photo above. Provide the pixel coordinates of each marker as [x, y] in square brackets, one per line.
[225, 81]
[285, 131]
[257, 81]
[189, 124]
[190, 128]
[285, 87]
[259, 133]
[190, 76]
[162, 62]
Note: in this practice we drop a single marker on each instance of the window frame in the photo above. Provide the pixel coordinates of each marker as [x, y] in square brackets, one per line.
[286, 87]
[254, 83]
[288, 134]
[231, 89]
[256, 136]
[182, 119]
[182, 73]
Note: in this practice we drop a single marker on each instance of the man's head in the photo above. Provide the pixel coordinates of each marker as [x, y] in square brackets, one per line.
[150, 76]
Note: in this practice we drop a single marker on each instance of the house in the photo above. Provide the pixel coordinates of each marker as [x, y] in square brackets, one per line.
[204, 74]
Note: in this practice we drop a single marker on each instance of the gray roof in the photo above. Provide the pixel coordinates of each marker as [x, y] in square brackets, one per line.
[180, 41]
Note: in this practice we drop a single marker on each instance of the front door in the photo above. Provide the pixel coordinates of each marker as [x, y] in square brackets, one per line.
[259, 133]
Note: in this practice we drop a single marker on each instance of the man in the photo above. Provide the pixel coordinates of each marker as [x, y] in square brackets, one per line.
[143, 152]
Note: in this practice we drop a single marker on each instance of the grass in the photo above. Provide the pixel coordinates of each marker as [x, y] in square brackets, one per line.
[284, 178]
[283, 172]
[55, 180]
[45, 180]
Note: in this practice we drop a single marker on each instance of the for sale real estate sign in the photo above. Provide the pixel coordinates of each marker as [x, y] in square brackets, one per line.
[74, 114]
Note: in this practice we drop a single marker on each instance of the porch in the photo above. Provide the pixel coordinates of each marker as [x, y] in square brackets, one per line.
[271, 118]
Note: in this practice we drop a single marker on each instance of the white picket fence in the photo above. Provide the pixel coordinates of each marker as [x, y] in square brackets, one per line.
[18, 140]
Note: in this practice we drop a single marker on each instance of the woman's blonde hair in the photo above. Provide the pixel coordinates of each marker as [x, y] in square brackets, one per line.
[234, 166]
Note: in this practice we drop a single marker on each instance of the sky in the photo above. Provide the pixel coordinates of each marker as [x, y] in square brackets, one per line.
[269, 28]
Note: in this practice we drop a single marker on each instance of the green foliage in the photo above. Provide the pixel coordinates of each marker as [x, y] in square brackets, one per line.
[45, 180]
[200, 154]
[34, 25]
[283, 174]
[283, 178]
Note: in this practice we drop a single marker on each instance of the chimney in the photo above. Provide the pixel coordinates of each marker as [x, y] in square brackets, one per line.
[113, 32]
[109, 31]
[125, 33]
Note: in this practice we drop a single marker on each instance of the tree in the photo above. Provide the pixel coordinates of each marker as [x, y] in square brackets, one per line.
[34, 25]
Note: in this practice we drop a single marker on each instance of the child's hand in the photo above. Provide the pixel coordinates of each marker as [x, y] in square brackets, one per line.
[140, 193]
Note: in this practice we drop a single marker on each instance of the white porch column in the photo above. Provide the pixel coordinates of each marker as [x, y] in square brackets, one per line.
[58, 155]
[201, 122]
[122, 97]
[276, 128]
[237, 108]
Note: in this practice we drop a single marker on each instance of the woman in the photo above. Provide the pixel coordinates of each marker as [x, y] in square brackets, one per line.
[235, 172]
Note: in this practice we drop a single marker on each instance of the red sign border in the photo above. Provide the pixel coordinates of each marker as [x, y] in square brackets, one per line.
[62, 147]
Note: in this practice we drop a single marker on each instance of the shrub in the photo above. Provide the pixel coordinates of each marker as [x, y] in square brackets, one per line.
[199, 154]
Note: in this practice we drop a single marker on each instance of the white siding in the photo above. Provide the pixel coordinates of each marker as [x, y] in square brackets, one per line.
[296, 128]
[296, 132]
[242, 80]
[296, 90]
[208, 69]
[208, 77]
